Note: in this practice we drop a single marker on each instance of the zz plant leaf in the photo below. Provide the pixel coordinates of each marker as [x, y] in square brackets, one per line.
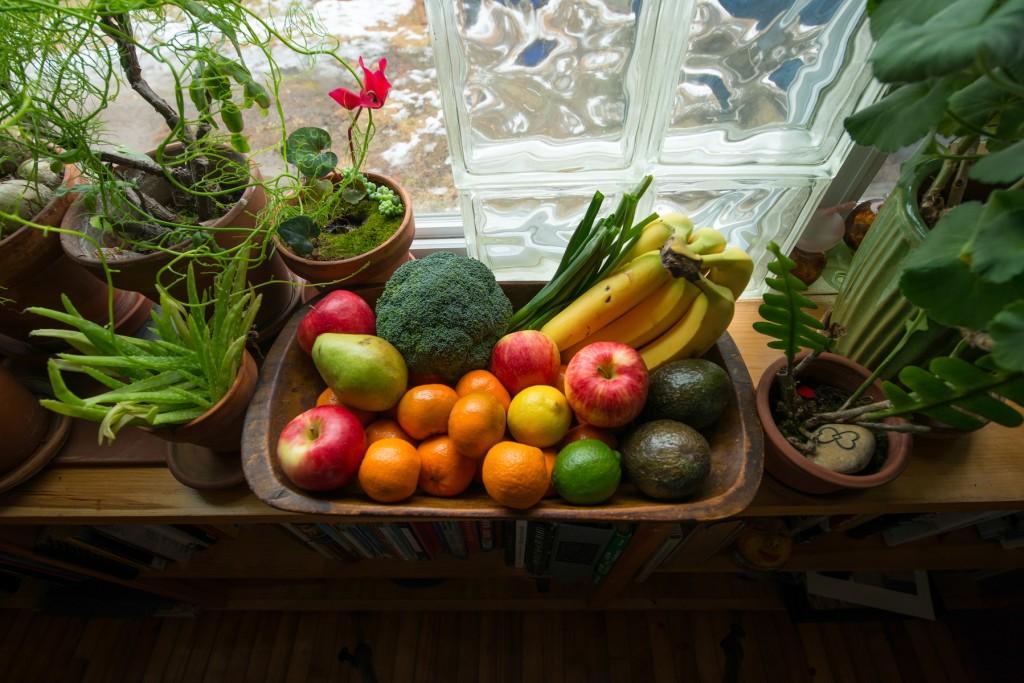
[310, 150]
[956, 392]
[783, 310]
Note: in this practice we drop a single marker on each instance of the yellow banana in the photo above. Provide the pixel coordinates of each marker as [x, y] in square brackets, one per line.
[657, 232]
[645, 321]
[607, 300]
[706, 241]
[698, 330]
[731, 268]
[680, 222]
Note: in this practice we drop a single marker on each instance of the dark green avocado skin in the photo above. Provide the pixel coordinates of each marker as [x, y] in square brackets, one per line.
[693, 391]
[666, 459]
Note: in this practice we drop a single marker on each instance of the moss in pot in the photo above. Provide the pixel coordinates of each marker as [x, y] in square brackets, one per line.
[825, 417]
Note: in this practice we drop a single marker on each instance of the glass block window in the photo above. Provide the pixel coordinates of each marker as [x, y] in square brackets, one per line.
[736, 107]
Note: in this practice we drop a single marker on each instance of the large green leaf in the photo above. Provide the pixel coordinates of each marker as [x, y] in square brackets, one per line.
[937, 279]
[298, 233]
[997, 252]
[1004, 166]
[980, 101]
[1007, 330]
[885, 14]
[951, 40]
[903, 116]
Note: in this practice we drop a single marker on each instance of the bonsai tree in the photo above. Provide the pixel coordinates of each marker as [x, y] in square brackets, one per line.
[957, 76]
[953, 390]
[331, 214]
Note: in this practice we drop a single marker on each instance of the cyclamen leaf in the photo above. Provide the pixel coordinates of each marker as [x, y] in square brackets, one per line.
[309, 149]
[1004, 166]
[1007, 331]
[903, 116]
[298, 233]
[997, 252]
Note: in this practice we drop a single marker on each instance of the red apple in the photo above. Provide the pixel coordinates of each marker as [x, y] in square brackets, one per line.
[606, 384]
[322, 448]
[340, 311]
[524, 359]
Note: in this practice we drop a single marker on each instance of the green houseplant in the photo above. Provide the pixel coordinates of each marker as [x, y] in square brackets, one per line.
[819, 409]
[947, 239]
[341, 223]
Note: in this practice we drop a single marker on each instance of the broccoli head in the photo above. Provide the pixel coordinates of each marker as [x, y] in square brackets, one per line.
[444, 313]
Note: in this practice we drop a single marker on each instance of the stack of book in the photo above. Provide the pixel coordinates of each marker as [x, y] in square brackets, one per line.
[402, 541]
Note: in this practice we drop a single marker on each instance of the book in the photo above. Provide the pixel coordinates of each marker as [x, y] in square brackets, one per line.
[442, 538]
[410, 537]
[195, 533]
[577, 549]
[428, 538]
[92, 541]
[540, 539]
[613, 551]
[54, 546]
[329, 535]
[486, 531]
[372, 540]
[933, 524]
[456, 541]
[470, 535]
[149, 537]
[520, 543]
[355, 541]
[508, 542]
[187, 539]
[312, 538]
[399, 545]
[666, 549]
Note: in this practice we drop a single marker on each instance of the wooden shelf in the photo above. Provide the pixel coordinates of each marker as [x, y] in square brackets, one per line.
[959, 550]
[983, 470]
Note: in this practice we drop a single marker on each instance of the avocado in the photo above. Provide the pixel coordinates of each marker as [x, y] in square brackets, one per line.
[693, 391]
[666, 459]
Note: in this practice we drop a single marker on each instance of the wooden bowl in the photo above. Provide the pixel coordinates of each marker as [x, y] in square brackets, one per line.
[289, 385]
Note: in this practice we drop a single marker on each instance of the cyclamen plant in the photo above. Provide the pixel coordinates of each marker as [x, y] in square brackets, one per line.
[322, 187]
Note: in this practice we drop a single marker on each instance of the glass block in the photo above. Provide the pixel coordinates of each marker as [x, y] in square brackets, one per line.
[751, 212]
[522, 237]
[543, 85]
[769, 82]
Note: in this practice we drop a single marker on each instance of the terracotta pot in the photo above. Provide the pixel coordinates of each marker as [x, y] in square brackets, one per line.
[791, 467]
[220, 427]
[23, 422]
[375, 266]
[138, 272]
[35, 272]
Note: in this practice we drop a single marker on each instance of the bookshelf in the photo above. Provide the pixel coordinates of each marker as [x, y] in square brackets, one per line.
[265, 566]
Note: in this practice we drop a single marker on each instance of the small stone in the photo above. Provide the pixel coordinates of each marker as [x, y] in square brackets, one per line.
[846, 449]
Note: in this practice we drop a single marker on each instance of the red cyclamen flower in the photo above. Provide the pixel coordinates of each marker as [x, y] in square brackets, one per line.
[374, 92]
[805, 392]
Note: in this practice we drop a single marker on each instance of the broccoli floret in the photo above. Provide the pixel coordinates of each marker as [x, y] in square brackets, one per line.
[444, 313]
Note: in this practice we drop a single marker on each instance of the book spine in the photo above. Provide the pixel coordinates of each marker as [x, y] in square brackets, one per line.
[294, 530]
[410, 538]
[377, 539]
[666, 549]
[612, 552]
[520, 543]
[148, 538]
[453, 534]
[117, 549]
[180, 536]
[472, 540]
[508, 536]
[196, 533]
[394, 535]
[356, 541]
[486, 530]
[428, 538]
[442, 538]
[332, 538]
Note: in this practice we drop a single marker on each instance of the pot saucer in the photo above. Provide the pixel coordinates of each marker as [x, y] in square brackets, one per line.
[60, 427]
[203, 469]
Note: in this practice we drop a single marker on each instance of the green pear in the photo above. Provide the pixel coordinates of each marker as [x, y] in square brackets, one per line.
[364, 371]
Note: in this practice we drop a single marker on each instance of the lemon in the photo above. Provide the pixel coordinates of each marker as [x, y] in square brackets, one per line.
[539, 416]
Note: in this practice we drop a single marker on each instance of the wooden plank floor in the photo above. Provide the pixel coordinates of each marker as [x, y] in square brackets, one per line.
[453, 647]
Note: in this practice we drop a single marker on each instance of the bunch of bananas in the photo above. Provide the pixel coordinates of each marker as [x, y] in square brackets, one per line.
[673, 297]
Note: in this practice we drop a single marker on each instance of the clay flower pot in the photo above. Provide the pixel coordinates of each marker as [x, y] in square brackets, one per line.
[374, 266]
[790, 466]
[30, 435]
[35, 272]
[138, 272]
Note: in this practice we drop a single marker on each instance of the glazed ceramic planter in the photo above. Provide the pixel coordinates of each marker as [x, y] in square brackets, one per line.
[375, 266]
[870, 306]
[139, 272]
[790, 466]
[35, 272]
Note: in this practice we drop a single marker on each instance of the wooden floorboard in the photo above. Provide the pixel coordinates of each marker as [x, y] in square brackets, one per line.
[419, 647]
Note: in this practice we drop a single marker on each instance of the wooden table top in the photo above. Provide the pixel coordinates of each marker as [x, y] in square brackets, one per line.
[984, 470]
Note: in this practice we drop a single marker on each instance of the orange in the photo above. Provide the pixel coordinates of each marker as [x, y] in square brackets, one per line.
[444, 471]
[550, 456]
[539, 416]
[585, 431]
[424, 410]
[476, 423]
[390, 470]
[385, 429]
[515, 474]
[483, 382]
[329, 398]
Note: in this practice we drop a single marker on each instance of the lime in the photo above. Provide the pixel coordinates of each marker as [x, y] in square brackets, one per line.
[587, 472]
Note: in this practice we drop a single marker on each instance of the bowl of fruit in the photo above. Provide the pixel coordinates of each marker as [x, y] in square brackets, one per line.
[612, 392]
